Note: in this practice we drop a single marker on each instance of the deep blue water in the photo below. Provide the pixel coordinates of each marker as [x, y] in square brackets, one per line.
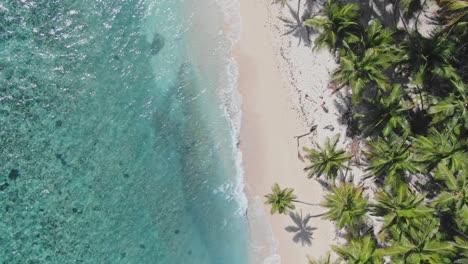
[114, 147]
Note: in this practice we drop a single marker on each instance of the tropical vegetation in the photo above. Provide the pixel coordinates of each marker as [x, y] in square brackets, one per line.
[408, 94]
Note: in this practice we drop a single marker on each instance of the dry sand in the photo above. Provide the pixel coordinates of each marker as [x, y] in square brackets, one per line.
[284, 92]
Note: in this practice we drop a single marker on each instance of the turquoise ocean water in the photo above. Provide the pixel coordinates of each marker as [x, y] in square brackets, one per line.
[116, 139]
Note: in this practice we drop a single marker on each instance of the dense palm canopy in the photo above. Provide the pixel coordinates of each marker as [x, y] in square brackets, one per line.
[360, 72]
[440, 147]
[346, 205]
[409, 105]
[327, 160]
[400, 208]
[422, 244]
[281, 200]
[390, 159]
[337, 23]
[360, 250]
[427, 58]
[386, 115]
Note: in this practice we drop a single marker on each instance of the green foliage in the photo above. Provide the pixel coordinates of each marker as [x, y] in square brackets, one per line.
[427, 58]
[386, 115]
[346, 205]
[338, 22]
[360, 72]
[440, 147]
[359, 250]
[422, 244]
[390, 159]
[400, 208]
[322, 260]
[327, 160]
[281, 200]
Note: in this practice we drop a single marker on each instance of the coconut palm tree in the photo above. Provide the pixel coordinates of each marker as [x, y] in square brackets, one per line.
[360, 250]
[441, 147]
[327, 160]
[281, 200]
[337, 23]
[362, 72]
[455, 194]
[427, 58]
[422, 244]
[400, 208]
[390, 159]
[322, 260]
[451, 110]
[375, 37]
[389, 114]
[454, 12]
[346, 205]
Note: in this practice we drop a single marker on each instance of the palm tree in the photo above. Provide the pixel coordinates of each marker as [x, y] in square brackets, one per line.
[455, 194]
[422, 244]
[346, 205]
[360, 250]
[337, 23]
[451, 110]
[387, 115]
[429, 57]
[455, 12]
[322, 260]
[360, 72]
[375, 37]
[390, 159]
[400, 208]
[327, 160]
[441, 147]
[281, 200]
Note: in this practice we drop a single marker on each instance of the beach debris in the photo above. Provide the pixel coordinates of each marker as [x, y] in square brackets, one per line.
[329, 127]
[312, 129]
[14, 174]
[325, 109]
[157, 44]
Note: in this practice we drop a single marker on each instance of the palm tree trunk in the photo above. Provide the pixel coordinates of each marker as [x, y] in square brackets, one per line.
[311, 204]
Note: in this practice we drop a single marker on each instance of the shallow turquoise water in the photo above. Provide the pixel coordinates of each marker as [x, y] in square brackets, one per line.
[114, 147]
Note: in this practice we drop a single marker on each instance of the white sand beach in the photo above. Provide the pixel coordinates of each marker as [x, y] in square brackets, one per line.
[284, 90]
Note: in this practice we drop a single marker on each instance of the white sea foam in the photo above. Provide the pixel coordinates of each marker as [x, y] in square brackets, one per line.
[262, 243]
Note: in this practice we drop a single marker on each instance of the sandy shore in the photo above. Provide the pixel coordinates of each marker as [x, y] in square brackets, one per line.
[281, 87]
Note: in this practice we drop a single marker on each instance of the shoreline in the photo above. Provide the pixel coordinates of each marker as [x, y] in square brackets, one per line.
[272, 115]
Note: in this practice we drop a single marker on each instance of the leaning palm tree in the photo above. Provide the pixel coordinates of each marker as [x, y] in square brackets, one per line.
[360, 250]
[400, 208]
[422, 244]
[441, 147]
[281, 200]
[346, 205]
[363, 72]
[337, 23]
[387, 115]
[327, 160]
[390, 159]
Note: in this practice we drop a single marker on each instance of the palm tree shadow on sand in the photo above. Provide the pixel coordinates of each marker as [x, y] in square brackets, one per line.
[303, 232]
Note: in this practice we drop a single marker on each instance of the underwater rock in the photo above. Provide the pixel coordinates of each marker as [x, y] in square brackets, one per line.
[58, 123]
[4, 186]
[157, 44]
[177, 231]
[14, 174]
[125, 175]
[142, 246]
